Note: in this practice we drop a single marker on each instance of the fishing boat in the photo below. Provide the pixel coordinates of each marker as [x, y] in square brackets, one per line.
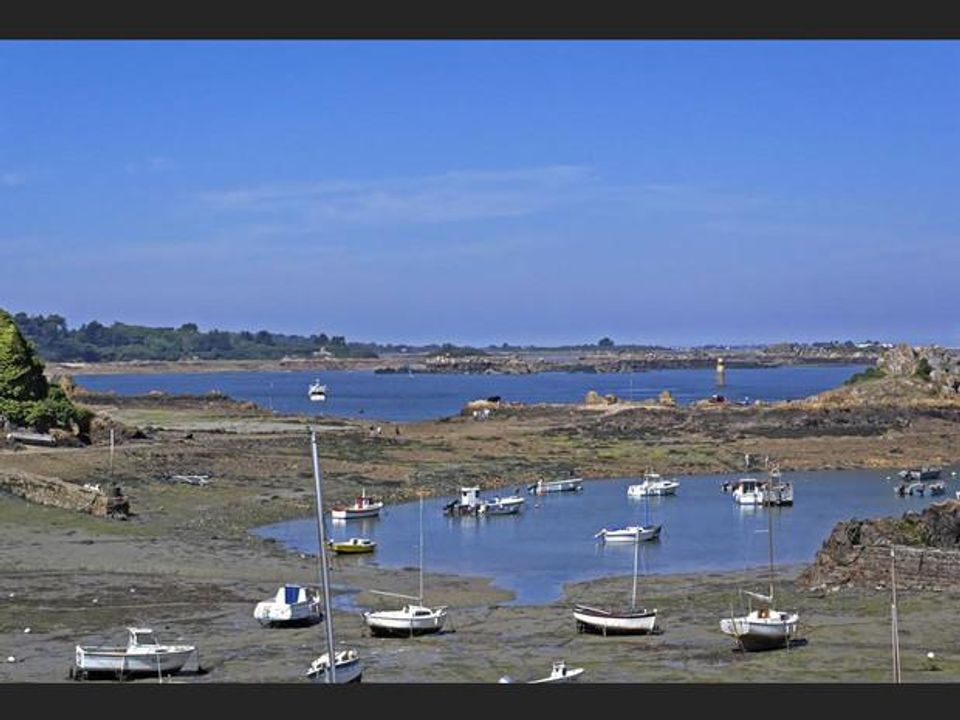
[560, 673]
[763, 628]
[653, 484]
[469, 503]
[631, 533]
[922, 473]
[363, 507]
[353, 546]
[347, 666]
[542, 487]
[751, 491]
[317, 391]
[411, 619]
[618, 621]
[143, 655]
[502, 506]
[292, 606]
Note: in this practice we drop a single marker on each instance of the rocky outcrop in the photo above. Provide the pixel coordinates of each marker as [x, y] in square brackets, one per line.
[932, 364]
[857, 552]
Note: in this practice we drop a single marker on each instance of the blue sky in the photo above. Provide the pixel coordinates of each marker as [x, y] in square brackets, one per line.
[486, 192]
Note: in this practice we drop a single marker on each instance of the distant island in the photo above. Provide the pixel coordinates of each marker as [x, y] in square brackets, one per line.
[167, 349]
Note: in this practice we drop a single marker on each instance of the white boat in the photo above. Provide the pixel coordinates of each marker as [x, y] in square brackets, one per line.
[143, 655]
[317, 391]
[751, 491]
[653, 484]
[560, 673]
[915, 488]
[502, 506]
[293, 605]
[764, 628]
[542, 487]
[411, 619]
[469, 502]
[618, 621]
[347, 666]
[631, 533]
[361, 508]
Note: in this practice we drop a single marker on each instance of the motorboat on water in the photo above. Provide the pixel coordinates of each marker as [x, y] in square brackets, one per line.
[654, 485]
[631, 533]
[347, 667]
[751, 491]
[143, 655]
[937, 488]
[542, 487]
[502, 506]
[352, 546]
[469, 502]
[293, 605]
[363, 507]
[922, 473]
[317, 391]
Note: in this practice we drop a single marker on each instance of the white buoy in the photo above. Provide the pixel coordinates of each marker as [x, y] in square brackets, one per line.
[26, 630]
[930, 655]
[96, 600]
[11, 658]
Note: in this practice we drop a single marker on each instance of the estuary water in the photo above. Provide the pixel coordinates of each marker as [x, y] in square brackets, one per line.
[405, 398]
[551, 542]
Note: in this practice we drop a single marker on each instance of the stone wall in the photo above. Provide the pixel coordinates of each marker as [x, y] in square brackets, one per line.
[927, 548]
[57, 493]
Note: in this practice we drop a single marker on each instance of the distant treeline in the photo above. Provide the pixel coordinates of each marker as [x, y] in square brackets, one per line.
[95, 342]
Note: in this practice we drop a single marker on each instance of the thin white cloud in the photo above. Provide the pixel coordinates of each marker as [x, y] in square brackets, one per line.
[151, 164]
[12, 179]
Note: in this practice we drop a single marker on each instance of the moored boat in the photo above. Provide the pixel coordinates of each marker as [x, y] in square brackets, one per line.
[631, 533]
[937, 488]
[560, 673]
[542, 487]
[763, 628]
[347, 667]
[352, 546]
[469, 502]
[363, 507]
[654, 485]
[143, 655]
[502, 506]
[317, 391]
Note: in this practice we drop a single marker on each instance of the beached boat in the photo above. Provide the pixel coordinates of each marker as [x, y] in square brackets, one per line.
[317, 391]
[143, 655]
[363, 507]
[542, 487]
[347, 666]
[292, 606]
[653, 485]
[763, 628]
[560, 673]
[502, 506]
[618, 621]
[353, 546]
[411, 619]
[631, 533]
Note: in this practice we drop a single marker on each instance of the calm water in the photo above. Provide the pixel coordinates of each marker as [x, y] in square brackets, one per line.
[400, 397]
[551, 541]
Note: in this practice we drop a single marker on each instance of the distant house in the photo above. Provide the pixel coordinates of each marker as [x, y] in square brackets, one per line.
[323, 353]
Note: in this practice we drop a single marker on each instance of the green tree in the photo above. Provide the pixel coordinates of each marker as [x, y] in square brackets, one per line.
[605, 343]
[21, 371]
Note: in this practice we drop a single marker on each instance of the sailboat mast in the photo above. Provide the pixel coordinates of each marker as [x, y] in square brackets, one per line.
[894, 628]
[111, 453]
[324, 576]
[420, 601]
[636, 553]
[770, 545]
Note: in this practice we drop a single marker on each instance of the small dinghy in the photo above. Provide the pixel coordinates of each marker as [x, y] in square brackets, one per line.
[631, 533]
[292, 606]
[560, 673]
[353, 546]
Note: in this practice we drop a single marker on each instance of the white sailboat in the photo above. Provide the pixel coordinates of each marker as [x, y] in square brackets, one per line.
[411, 619]
[631, 621]
[317, 391]
[763, 628]
[346, 666]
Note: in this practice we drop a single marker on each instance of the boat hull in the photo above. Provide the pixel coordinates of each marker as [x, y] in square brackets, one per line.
[99, 661]
[630, 623]
[350, 514]
[271, 614]
[617, 536]
[573, 485]
[756, 635]
[346, 671]
[395, 625]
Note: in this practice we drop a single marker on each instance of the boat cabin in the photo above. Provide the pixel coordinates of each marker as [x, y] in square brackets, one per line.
[291, 595]
[140, 637]
[469, 497]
